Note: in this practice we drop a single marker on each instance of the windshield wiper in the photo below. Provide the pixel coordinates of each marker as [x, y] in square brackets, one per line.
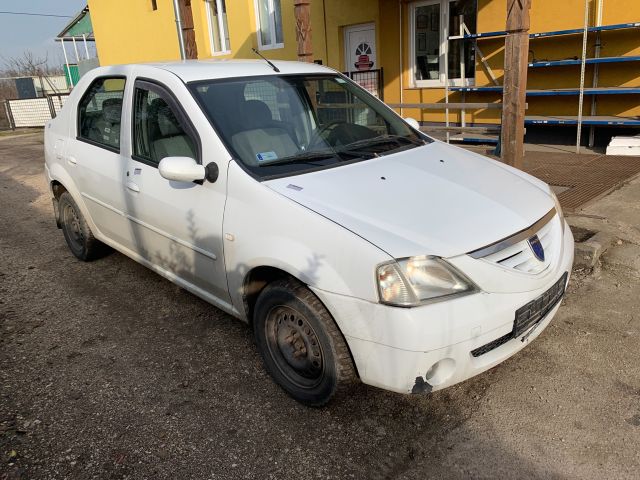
[308, 157]
[305, 157]
[370, 142]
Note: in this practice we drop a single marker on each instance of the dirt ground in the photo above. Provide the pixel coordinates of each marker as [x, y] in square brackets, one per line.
[109, 371]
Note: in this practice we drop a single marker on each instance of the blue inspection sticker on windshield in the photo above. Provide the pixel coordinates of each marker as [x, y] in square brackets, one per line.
[266, 156]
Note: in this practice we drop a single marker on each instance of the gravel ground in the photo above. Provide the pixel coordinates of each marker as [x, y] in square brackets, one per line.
[109, 371]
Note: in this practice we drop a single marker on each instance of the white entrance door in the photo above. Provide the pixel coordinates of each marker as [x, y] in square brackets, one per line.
[360, 47]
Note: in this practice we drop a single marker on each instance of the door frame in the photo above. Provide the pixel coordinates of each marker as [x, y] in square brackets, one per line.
[359, 26]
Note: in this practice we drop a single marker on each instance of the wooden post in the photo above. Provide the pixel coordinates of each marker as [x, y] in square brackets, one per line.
[515, 81]
[188, 32]
[303, 30]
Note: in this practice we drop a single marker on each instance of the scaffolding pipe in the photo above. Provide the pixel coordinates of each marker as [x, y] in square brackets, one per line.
[86, 48]
[446, 73]
[66, 61]
[400, 53]
[75, 47]
[463, 69]
[596, 72]
[583, 65]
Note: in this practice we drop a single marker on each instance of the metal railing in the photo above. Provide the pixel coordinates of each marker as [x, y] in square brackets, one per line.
[371, 80]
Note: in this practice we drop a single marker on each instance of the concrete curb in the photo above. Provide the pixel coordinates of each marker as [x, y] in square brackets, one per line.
[589, 252]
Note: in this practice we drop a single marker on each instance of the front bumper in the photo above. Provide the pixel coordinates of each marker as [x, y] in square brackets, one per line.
[429, 347]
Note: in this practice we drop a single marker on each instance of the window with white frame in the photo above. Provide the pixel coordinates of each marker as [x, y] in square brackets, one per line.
[269, 24]
[431, 23]
[218, 27]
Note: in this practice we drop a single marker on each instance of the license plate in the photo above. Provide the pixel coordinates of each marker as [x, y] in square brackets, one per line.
[535, 311]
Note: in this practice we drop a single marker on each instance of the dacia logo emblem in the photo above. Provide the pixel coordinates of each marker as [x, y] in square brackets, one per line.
[536, 247]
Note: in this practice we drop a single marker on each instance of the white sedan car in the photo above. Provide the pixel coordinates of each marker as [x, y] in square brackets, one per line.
[286, 195]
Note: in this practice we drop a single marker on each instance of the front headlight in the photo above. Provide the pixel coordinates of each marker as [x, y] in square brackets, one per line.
[558, 209]
[412, 281]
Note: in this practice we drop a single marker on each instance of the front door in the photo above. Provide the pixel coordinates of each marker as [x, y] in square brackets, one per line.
[177, 226]
[360, 47]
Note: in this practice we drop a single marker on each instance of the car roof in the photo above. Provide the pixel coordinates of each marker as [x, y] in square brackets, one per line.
[195, 70]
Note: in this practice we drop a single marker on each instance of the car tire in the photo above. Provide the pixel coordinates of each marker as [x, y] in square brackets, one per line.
[76, 231]
[300, 343]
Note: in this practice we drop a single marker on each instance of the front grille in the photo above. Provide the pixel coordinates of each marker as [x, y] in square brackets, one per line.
[514, 252]
[520, 256]
[528, 316]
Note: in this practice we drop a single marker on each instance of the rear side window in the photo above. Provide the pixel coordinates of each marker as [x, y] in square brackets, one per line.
[158, 128]
[100, 113]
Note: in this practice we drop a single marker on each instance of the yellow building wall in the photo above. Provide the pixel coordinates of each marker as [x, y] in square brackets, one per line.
[129, 31]
[328, 45]
[241, 18]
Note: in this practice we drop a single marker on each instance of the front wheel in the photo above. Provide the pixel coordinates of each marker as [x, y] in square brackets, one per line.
[301, 346]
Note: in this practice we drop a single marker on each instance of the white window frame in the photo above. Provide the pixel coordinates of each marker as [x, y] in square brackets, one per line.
[444, 44]
[226, 49]
[272, 25]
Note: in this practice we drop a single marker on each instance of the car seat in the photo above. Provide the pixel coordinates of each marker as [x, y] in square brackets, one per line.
[170, 139]
[106, 129]
[262, 137]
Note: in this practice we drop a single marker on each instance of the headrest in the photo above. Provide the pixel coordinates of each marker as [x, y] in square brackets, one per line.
[168, 123]
[256, 112]
[112, 109]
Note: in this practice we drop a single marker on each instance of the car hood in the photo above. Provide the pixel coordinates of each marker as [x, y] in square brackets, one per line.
[431, 200]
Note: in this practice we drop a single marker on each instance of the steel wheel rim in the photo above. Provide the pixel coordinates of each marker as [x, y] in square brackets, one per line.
[73, 228]
[294, 346]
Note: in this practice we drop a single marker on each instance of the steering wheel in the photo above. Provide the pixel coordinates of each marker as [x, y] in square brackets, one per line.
[323, 133]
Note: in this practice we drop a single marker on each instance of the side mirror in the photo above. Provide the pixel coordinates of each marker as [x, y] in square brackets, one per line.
[412, 123]
[181, 169]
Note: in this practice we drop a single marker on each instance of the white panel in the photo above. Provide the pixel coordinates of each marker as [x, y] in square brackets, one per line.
[32, 112]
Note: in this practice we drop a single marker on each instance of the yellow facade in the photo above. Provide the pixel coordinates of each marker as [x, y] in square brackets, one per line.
[546, 15]
[130, 31]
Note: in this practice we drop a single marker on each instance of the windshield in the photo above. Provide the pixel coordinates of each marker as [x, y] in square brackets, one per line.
[291, 124]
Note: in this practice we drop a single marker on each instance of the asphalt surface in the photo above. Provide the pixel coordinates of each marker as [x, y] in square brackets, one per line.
[109, 371]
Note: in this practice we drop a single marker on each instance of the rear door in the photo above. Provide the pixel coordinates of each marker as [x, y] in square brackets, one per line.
[176, 226]
[94, 155]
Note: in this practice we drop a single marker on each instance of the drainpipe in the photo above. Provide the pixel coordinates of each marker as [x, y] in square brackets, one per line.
[176, 11]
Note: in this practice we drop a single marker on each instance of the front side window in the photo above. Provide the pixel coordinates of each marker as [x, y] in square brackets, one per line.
[218, 26]
[269, 20]
[100, 113]
[158, 129]
[432, 22]
[280, 125]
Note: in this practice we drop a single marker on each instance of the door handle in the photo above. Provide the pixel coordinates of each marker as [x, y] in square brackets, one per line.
[72, 160]
[132, 186]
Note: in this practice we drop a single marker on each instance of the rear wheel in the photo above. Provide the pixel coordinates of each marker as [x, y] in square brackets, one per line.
[300, 343]
[76, 231]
